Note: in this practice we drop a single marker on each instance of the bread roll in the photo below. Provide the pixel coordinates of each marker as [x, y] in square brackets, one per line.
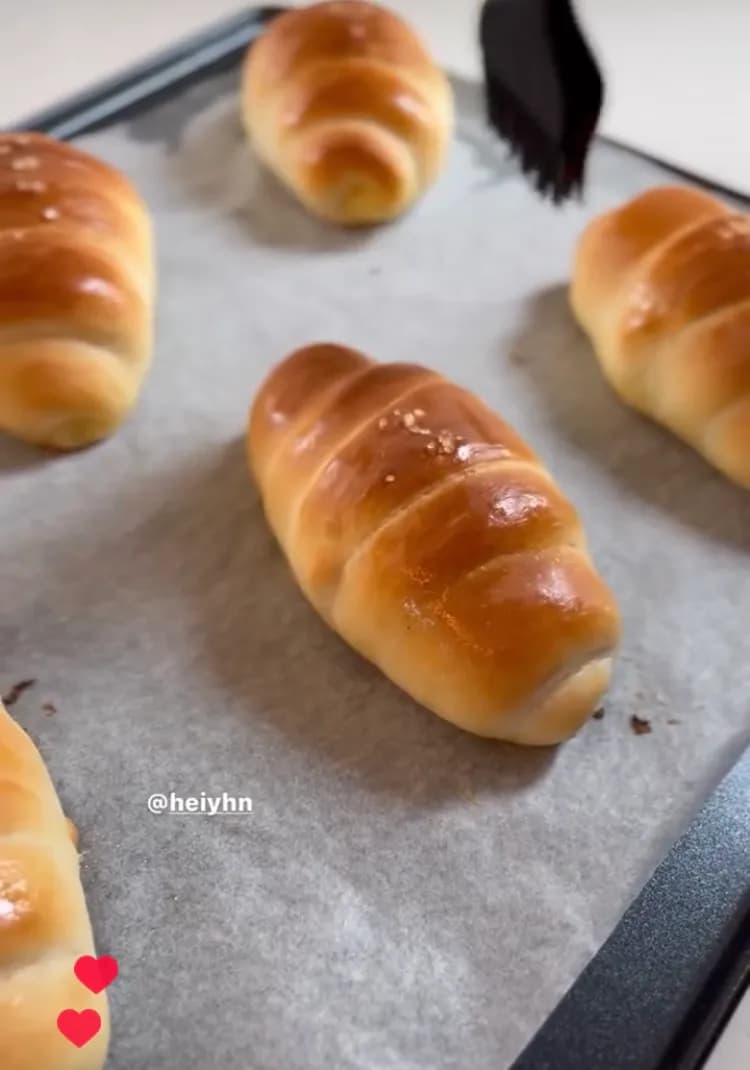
[44, 924]
[662, 287]
[76, 283]
[434, 541]
[343, 102]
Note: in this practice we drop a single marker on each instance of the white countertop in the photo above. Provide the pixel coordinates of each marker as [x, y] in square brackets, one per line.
[678, 88]
[677, 72]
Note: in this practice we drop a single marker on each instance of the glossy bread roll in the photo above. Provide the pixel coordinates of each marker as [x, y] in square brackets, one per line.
[343, 102]
[433, 540]
[662, 287]
[76, 282]
[44, 923]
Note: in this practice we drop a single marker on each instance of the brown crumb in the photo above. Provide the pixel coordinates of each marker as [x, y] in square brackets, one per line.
[383, 423]
[16, 691]
[598, 716]
[409, 419]
[50, 708]
[639, 725]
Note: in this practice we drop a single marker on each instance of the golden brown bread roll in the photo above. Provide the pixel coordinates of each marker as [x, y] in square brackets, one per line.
[343, 102]
[434, 541]
[662, 287]
[76, 293]
[44, 923]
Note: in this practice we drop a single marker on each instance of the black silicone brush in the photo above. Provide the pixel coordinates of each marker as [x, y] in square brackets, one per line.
[544, 89]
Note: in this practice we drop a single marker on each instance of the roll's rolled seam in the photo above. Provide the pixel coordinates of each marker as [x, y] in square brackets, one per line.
[428, 535]
[343, 102]
[661, 286]
[76, 293]
[44, 922]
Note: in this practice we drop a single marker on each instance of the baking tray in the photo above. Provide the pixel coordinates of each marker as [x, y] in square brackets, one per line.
[147, 599]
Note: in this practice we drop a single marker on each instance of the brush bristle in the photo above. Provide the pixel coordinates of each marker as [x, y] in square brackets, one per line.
[540, 158]
[543, 89]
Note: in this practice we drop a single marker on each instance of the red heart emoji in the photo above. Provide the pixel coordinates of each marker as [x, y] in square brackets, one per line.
[96, 974]
[79, 1027]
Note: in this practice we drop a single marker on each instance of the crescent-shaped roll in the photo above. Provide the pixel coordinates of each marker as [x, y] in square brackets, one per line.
[662, 287]
[76, 293]
[344, 103]
[432, 539]
[44, 923]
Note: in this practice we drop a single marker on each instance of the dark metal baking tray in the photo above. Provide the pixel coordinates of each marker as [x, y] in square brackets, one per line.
[661, 989]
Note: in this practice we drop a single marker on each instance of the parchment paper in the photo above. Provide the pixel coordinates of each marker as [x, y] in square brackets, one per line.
[403, 896]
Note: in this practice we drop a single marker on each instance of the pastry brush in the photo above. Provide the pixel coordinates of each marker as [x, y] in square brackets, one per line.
[544, 90]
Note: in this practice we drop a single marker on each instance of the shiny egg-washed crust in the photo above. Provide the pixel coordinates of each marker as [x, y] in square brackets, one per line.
[44, 923]
[428, 535]
[662, 288]
[344, 103]
[76, 293]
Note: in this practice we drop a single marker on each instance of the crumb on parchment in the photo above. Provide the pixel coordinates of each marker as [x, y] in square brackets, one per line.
[16, 691]
[639, 725]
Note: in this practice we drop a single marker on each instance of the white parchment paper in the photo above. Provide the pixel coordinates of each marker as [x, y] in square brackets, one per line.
[403, 896]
